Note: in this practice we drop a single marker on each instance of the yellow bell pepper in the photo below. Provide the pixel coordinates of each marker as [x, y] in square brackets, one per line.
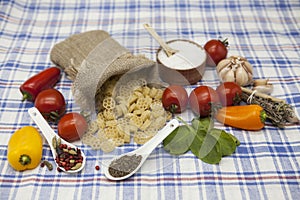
[25, 149]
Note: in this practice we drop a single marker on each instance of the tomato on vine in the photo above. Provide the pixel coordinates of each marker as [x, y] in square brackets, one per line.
[175, 99]
[72, 126]
[230, 93]
[51, 103]
[203, 100]
[216, 51]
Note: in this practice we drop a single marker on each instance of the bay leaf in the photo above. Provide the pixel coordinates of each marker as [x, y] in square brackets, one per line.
[179, 141]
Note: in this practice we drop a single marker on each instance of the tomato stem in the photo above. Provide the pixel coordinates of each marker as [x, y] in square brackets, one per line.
[225, 42]
[173, 108]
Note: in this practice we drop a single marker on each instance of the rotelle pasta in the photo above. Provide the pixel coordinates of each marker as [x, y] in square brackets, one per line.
[129, 112]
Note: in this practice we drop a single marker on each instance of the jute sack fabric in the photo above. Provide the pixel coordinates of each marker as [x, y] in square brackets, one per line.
[91, 58]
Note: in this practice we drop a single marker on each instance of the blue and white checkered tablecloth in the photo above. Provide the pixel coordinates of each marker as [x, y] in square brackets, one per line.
[265, 166]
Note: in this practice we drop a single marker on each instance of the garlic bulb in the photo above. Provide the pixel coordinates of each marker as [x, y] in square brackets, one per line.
[235, 69]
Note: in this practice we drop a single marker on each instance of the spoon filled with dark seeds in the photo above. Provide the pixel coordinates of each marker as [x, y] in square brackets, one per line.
[125, 165]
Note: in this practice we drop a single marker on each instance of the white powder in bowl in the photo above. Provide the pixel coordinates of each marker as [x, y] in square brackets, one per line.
[189, 55]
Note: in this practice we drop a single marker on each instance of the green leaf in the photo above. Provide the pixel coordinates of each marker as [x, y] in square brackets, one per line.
[237, 142]
[207, 143]
[202, 124]
[227, 144]
[207, 149]
[179, 141]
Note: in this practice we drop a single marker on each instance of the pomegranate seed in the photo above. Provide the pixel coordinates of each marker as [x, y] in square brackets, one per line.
[97, 167]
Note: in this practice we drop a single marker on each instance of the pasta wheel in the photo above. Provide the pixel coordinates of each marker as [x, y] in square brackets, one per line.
[151, 131]
[141, 138]
[107, 146]
[153, 92]
[125, 92]
[144, 103]
[138, 93]
[157, 113]
[146, 115]
[96, 144]
[109, 103]
[132, 99]
[132, 107]
[145, 125]
[87, 138]
[101, 135]
[100, 122]
[108, 114]
[159, 122]
[92, 127]
[111, 123]
[137, 121]
[111, 132]
[142, 82]
[118, 141]
[159, 94]
[146, 90]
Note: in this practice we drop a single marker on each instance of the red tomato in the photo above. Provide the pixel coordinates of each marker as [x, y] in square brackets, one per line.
[175, 99]
[216, 51]
[202, 99]
[51, 103]
[229, 93]
[72, 126]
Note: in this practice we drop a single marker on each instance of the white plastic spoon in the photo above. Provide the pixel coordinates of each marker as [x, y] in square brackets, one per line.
[143, 152]
[49, 134]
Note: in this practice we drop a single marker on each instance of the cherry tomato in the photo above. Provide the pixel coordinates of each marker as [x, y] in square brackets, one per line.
[229, 93]
[203, 99]
[51, 103]
[72, 126]
[216, 51]
[175, 99]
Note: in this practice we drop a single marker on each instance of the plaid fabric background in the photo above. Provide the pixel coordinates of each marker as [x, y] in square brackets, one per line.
[265, 166]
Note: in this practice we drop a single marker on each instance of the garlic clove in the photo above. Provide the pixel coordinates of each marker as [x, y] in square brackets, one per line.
[250, 79]
[229, 76]
[223, 72]
[248, 67]
[266, 89]
[241, 76]
[225, 63]
[260, 82]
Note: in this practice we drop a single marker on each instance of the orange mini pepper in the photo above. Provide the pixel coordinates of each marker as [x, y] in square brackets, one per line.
[246, 117]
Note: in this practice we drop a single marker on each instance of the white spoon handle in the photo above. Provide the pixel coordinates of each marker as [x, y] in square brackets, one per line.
[37, 117]
[160, 136]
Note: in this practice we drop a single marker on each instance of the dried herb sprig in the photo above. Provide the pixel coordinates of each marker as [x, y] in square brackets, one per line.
[278, 111]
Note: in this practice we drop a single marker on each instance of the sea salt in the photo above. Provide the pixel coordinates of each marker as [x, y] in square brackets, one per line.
[189, 55]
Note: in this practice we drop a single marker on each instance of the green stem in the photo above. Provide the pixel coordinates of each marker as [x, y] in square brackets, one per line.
[26, 96]
[25, 159]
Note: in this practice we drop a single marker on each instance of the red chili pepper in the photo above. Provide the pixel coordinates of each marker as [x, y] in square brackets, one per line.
[44, 80]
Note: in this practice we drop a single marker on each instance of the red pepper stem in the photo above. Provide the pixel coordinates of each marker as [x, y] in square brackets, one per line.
[25, 159]
[25, 96]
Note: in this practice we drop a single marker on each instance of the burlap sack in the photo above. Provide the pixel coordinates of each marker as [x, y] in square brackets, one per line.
[90, 58]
